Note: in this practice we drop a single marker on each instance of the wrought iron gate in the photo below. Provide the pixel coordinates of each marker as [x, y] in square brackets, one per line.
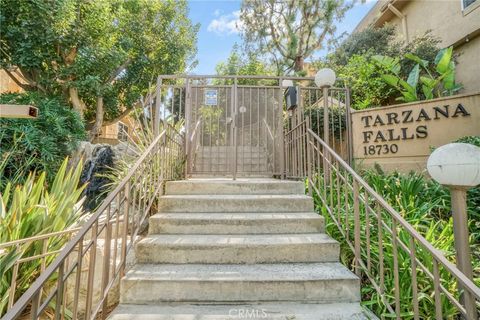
[236, 125]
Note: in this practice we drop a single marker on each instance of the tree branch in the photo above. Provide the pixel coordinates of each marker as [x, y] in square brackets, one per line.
[24, 86]
[117, 72]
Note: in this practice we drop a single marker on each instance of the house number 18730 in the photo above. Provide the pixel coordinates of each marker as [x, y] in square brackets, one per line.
[379, 149]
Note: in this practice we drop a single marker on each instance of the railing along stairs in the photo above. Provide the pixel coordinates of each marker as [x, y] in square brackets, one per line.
[405, 270]
[78, 283]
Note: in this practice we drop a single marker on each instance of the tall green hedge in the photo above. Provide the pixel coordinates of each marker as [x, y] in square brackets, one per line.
[38, 144]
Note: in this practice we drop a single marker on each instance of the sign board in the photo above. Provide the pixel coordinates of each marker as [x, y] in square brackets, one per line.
[211, 97]
[401, 137]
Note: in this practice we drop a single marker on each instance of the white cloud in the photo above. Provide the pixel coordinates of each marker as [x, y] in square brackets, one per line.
[217, 12]
[226, 24]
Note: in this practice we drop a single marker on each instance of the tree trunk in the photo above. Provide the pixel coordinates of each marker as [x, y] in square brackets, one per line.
[97, 127]
[77, 103]
[298, 64]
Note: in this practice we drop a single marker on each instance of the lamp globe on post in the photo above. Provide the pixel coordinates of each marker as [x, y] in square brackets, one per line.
[457, 166]
[325, 78]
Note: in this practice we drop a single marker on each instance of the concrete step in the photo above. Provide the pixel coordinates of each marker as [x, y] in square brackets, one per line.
[234, 187]
[217, 283]
[235, 203]
[236, 223]
[269, 311]
[251, 249]
[215, 161]
[207, 167]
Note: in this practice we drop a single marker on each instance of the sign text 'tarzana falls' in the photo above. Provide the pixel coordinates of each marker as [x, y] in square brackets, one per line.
[381, 131]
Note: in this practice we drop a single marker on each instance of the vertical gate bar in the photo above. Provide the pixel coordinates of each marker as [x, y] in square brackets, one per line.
[235, 111]
[188, 120]
[173, 105]
[228, 132]
[258, 124]
[209, 132]
[273, 125]
[281, 130]
[242, 129]
[158, 103]
[250, 123]
[181, 91]
[218, 131]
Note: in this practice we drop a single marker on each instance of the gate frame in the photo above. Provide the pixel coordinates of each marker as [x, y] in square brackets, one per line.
[187, 86]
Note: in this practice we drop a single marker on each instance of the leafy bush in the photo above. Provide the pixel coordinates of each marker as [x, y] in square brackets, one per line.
[435, 80]
[426, 206]
[37, 144]
[352, 62]
[30, 210]
[363, 76]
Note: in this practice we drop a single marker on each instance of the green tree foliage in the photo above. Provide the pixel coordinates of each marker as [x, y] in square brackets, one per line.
[100, 55]
[363, 76]
[37, 144]
[376, 40]
[244, 64]
[434, 79]
[291, 30]
[352, 60]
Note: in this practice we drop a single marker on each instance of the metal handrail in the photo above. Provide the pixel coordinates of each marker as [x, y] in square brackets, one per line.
[331, 178]
[129, 203]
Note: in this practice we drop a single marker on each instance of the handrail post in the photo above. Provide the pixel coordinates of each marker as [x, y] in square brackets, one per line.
[309, 158]
[356, 228]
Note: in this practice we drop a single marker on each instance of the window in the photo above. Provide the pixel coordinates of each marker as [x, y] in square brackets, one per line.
[122, 132]
[466, 3]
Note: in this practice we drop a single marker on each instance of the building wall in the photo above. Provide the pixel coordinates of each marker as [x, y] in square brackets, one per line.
[446, 20]
[7, 84]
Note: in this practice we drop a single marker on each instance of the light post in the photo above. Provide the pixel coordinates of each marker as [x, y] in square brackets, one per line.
[325, 78]
[457, 166]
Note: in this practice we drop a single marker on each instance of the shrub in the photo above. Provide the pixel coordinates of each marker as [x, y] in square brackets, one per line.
[362, 75]
[426, 80]
[37, 144]
[29, 210]
[426, 206]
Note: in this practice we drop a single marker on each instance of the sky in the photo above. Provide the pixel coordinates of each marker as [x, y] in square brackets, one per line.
[218, 29]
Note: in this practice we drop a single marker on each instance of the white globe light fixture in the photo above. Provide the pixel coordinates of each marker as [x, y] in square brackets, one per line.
[287, 83]
[325, 77]
[457, 165]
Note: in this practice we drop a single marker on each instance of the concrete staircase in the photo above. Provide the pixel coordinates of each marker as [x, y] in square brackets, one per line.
[244, 249]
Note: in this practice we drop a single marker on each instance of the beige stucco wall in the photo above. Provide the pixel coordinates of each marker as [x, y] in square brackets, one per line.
[446, 20]
[406, 145]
